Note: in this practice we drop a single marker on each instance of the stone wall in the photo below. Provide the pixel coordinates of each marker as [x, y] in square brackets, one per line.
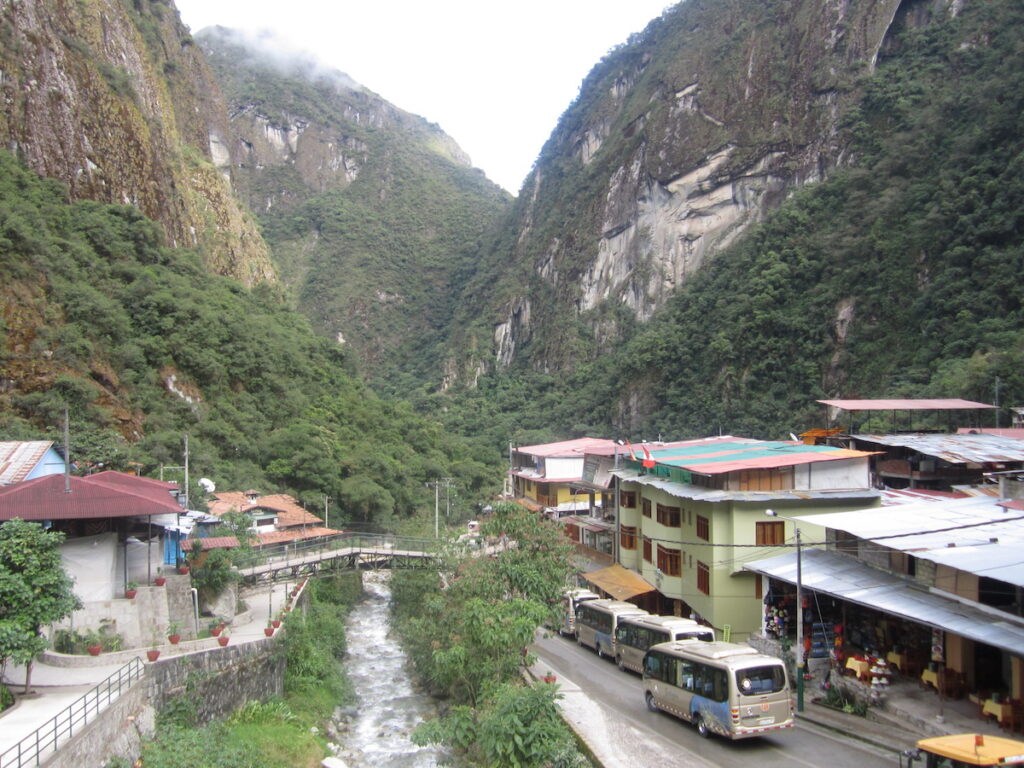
[218, 680]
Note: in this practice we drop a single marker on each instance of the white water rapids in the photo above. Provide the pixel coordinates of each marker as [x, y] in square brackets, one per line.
[389, 708]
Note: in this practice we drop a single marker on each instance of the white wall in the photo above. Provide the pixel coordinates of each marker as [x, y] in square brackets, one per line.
[825, 475]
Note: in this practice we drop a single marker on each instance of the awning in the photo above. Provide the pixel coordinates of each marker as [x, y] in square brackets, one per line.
[621, 583]
[849, 579]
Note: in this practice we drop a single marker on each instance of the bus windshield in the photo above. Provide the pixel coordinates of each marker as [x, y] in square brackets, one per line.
[757, 680]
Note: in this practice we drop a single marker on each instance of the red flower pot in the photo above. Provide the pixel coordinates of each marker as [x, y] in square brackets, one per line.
[152, 655]
[215, 631]
[175, 639]
[268, 631]
[130, 593]
[94, 650]
[160, 580]
[183, 569]
[276, 623]
[223, 640]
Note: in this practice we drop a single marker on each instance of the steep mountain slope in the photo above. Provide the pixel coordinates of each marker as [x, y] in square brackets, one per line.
[678, 141]
[897, 274]
[113, 99]
[371, 212]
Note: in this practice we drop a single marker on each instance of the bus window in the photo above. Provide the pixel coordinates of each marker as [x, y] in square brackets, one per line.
[755, 680]
[652, 666]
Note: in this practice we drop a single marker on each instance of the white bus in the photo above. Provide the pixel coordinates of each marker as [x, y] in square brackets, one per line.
[722, 688]
[635, 634]
[570, 602]
[596, 621]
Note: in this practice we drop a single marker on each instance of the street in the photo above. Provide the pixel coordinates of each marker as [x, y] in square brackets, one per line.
[618, 701]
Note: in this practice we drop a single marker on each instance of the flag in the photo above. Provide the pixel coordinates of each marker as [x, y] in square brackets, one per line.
[648, 461]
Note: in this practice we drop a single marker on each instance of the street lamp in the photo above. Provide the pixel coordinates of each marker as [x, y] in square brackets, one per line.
[799, 613]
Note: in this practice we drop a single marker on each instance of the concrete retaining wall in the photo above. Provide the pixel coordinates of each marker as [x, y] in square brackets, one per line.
[218, 680]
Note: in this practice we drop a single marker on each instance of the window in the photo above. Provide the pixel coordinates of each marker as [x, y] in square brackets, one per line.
[668, 516]
[646, 507]
[669, 561]
[627, 498]
[647, 550]
[770, 534]
[703, 527]
[703, 578]
[627, 537]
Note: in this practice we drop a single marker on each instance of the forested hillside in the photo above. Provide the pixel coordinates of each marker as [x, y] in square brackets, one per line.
[899, 274]
[144, 345]
[374, 215]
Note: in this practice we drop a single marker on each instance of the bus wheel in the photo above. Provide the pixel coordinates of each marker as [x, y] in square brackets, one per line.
[650, 702]
[702, 727]
[600, 653]
[619, 664]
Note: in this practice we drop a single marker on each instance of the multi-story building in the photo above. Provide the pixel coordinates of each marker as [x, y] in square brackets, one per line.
[550, 475]
[691, 514]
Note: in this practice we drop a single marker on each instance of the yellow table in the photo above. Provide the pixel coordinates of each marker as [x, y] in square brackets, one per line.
[930, 677]
[898, 660]
[999, 710]
[860, 668]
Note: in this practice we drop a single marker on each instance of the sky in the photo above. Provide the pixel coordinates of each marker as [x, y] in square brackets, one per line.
[495, 76]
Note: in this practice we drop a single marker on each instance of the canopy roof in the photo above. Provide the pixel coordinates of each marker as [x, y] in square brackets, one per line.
[946, 404]
[621, 583]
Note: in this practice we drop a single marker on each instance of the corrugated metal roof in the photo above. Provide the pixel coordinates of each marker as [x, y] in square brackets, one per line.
[942, 404]
[849, 579]
[90, 497]
[19, 457]
[698, 493]
[956, 449]
[977, 535]
[621, 583]
[737, 454]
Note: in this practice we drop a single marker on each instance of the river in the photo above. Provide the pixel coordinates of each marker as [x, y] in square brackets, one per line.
[389, 707]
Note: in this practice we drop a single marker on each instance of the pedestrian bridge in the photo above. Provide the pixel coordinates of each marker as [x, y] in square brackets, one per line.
[345, 551]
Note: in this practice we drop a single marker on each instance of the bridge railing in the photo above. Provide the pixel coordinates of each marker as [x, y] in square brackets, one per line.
[33, 749]
[298, 551]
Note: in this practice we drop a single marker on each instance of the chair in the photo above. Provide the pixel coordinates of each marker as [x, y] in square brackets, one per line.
[1015, 723]
[951, 684]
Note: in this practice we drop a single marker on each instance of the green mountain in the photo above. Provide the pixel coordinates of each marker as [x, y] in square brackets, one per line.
[754, 205]
[373, 214]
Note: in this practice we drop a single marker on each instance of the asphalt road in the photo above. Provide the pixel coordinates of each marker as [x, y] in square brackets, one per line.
[618, 702]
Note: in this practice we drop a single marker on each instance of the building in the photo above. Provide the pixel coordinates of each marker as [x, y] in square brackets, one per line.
[691, 514]
[276, 518]
[27, 460]
[936, 587]
[550, 476]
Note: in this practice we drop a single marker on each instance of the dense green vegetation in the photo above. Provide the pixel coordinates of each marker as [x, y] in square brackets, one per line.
[467, 633]
[276, 733]
[375, 250]
[898, 276]
[144, 345]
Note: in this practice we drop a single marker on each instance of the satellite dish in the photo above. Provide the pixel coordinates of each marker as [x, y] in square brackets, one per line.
[207, 484]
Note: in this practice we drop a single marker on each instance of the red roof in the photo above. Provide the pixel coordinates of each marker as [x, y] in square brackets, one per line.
[294, 534]
[211, 542]
[107, 494]
[948, 404]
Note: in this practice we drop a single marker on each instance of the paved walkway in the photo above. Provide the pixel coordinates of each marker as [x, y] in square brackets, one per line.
[54, 688]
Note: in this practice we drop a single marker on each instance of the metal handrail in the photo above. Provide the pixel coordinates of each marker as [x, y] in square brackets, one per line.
[300, 548]
[29, 750]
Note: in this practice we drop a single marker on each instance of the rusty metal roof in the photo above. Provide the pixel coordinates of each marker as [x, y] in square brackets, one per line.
[18, 458]
[956, 449]
[942, 404]
[94, 496]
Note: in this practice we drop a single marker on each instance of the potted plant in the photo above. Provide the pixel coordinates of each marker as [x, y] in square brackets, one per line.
[275, 623]
[183, 569]
[215, 627]
[130, 589]
[222, 640]
[93, 643]
[153, 654]
[269, 629]
[160, 579]
[173, 633]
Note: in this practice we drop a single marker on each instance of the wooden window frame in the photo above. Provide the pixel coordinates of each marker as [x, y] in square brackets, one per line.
[670, 561]
[703, 528]
[771, 533]
[703, 578]
[627, 537]
[669, 516]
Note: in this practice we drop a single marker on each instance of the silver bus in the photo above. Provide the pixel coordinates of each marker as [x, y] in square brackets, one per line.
[635, 634]
[722, 688]
[596, 621]
[570, 602]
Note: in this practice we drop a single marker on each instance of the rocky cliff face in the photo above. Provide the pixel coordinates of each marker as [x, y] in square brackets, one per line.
[113, 98]
[678, 142]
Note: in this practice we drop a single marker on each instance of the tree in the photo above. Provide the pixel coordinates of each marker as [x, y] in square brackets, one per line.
[34, 590]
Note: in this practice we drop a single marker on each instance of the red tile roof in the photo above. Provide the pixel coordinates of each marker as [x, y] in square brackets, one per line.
[295, 534]
[210, 542]
[566, 448]
[107, 494]
[288, 511]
